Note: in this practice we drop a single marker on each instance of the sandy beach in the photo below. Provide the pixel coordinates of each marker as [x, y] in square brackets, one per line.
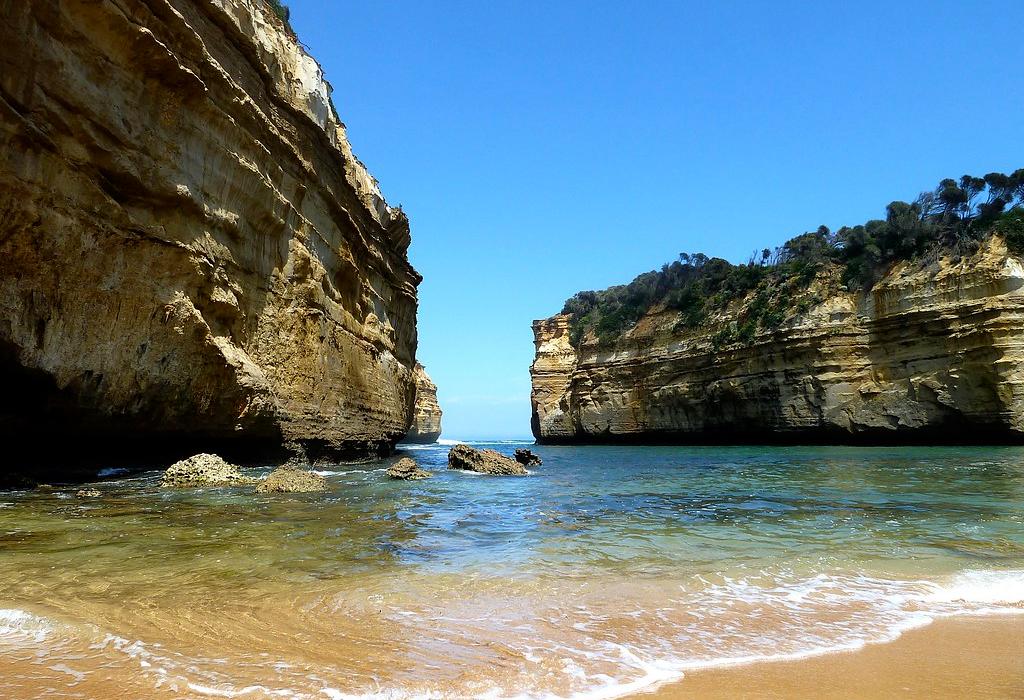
[967, 657]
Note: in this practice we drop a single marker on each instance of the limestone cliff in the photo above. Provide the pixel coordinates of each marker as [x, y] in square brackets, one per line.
[426, 416]
[934, 352]
[191, 254]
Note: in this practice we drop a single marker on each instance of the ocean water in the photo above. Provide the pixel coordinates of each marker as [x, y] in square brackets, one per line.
[604, 572]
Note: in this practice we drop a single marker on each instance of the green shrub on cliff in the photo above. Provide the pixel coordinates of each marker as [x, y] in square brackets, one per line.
[1011, 226]
[283, 14]
[956, 216]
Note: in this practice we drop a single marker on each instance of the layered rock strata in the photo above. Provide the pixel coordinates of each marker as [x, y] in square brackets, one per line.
[933, 353]
[426, 416]
[192, 256]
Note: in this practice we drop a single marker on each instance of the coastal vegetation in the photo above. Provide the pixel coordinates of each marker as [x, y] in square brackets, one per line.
[283, 13]
[955, 218]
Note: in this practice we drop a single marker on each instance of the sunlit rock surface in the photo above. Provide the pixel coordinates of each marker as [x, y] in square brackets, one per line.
[932, 353]
[426, 416]
[191, 254]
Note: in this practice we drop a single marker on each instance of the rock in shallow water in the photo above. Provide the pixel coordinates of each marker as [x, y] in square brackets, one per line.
[407, 469]
[203, 470]
[88, 493]
[291, 479]
[528, 458]
[483, 461]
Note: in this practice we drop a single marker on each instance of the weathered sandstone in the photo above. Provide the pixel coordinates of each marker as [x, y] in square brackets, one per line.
[291, 479]
[491, 462]
[192, 257]
[426, 416]
[934, 352]
[406, 469]
[202, 470]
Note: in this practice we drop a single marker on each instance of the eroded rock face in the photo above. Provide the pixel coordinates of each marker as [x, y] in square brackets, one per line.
[426, 416]
[407, 469]
[191, 253]
[292, 479]
[933, 353]
[483, 461]
[202, 470]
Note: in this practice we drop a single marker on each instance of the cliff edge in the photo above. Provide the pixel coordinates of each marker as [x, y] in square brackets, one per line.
[934, 352]
[426, 416]
[193, 259]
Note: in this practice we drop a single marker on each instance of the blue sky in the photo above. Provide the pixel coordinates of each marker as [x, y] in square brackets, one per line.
[544, 148]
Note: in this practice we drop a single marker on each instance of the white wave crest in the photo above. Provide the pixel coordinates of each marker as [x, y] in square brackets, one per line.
[20, 626]
[971, 588]
[699, 626]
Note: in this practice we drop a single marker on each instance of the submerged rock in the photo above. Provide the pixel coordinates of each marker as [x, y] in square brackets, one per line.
[407, 469]
[483, 461]
[203, 470]
[528, 458]
[16, 480]
[292, 479]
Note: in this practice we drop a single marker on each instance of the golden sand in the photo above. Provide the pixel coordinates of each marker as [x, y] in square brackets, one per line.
[967, 657]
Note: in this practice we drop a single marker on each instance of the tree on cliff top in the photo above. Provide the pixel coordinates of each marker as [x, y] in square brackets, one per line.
[283, 13]
[954, 217]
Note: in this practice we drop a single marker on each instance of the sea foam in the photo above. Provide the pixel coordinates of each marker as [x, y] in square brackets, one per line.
[19, 626]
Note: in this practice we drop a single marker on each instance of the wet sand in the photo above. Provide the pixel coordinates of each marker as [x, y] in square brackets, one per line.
[967, 657]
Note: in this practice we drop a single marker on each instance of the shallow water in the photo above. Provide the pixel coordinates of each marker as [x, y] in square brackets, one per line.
[606, 570]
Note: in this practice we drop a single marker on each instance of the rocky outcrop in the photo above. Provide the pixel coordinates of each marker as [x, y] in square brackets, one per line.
[203, 470]
[406, 469]
[934, 352]
[528, 458]
[292, 479]
[426, 416]
[491, 462]
[192, 256]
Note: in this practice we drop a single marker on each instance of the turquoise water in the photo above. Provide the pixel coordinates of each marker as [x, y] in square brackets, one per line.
[604, 571]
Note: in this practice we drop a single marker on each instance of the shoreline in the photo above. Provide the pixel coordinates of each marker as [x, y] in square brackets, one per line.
[977, 656]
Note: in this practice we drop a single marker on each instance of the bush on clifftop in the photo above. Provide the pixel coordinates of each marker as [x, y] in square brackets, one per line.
[283, 14]
[956, 216]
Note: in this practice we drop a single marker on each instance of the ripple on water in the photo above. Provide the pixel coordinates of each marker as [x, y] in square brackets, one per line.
[606, 571]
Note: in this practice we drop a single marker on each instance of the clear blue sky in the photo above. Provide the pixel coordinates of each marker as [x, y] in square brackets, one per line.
[541, 148]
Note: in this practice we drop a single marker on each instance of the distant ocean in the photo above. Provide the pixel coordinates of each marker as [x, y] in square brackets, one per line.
[605, 571]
